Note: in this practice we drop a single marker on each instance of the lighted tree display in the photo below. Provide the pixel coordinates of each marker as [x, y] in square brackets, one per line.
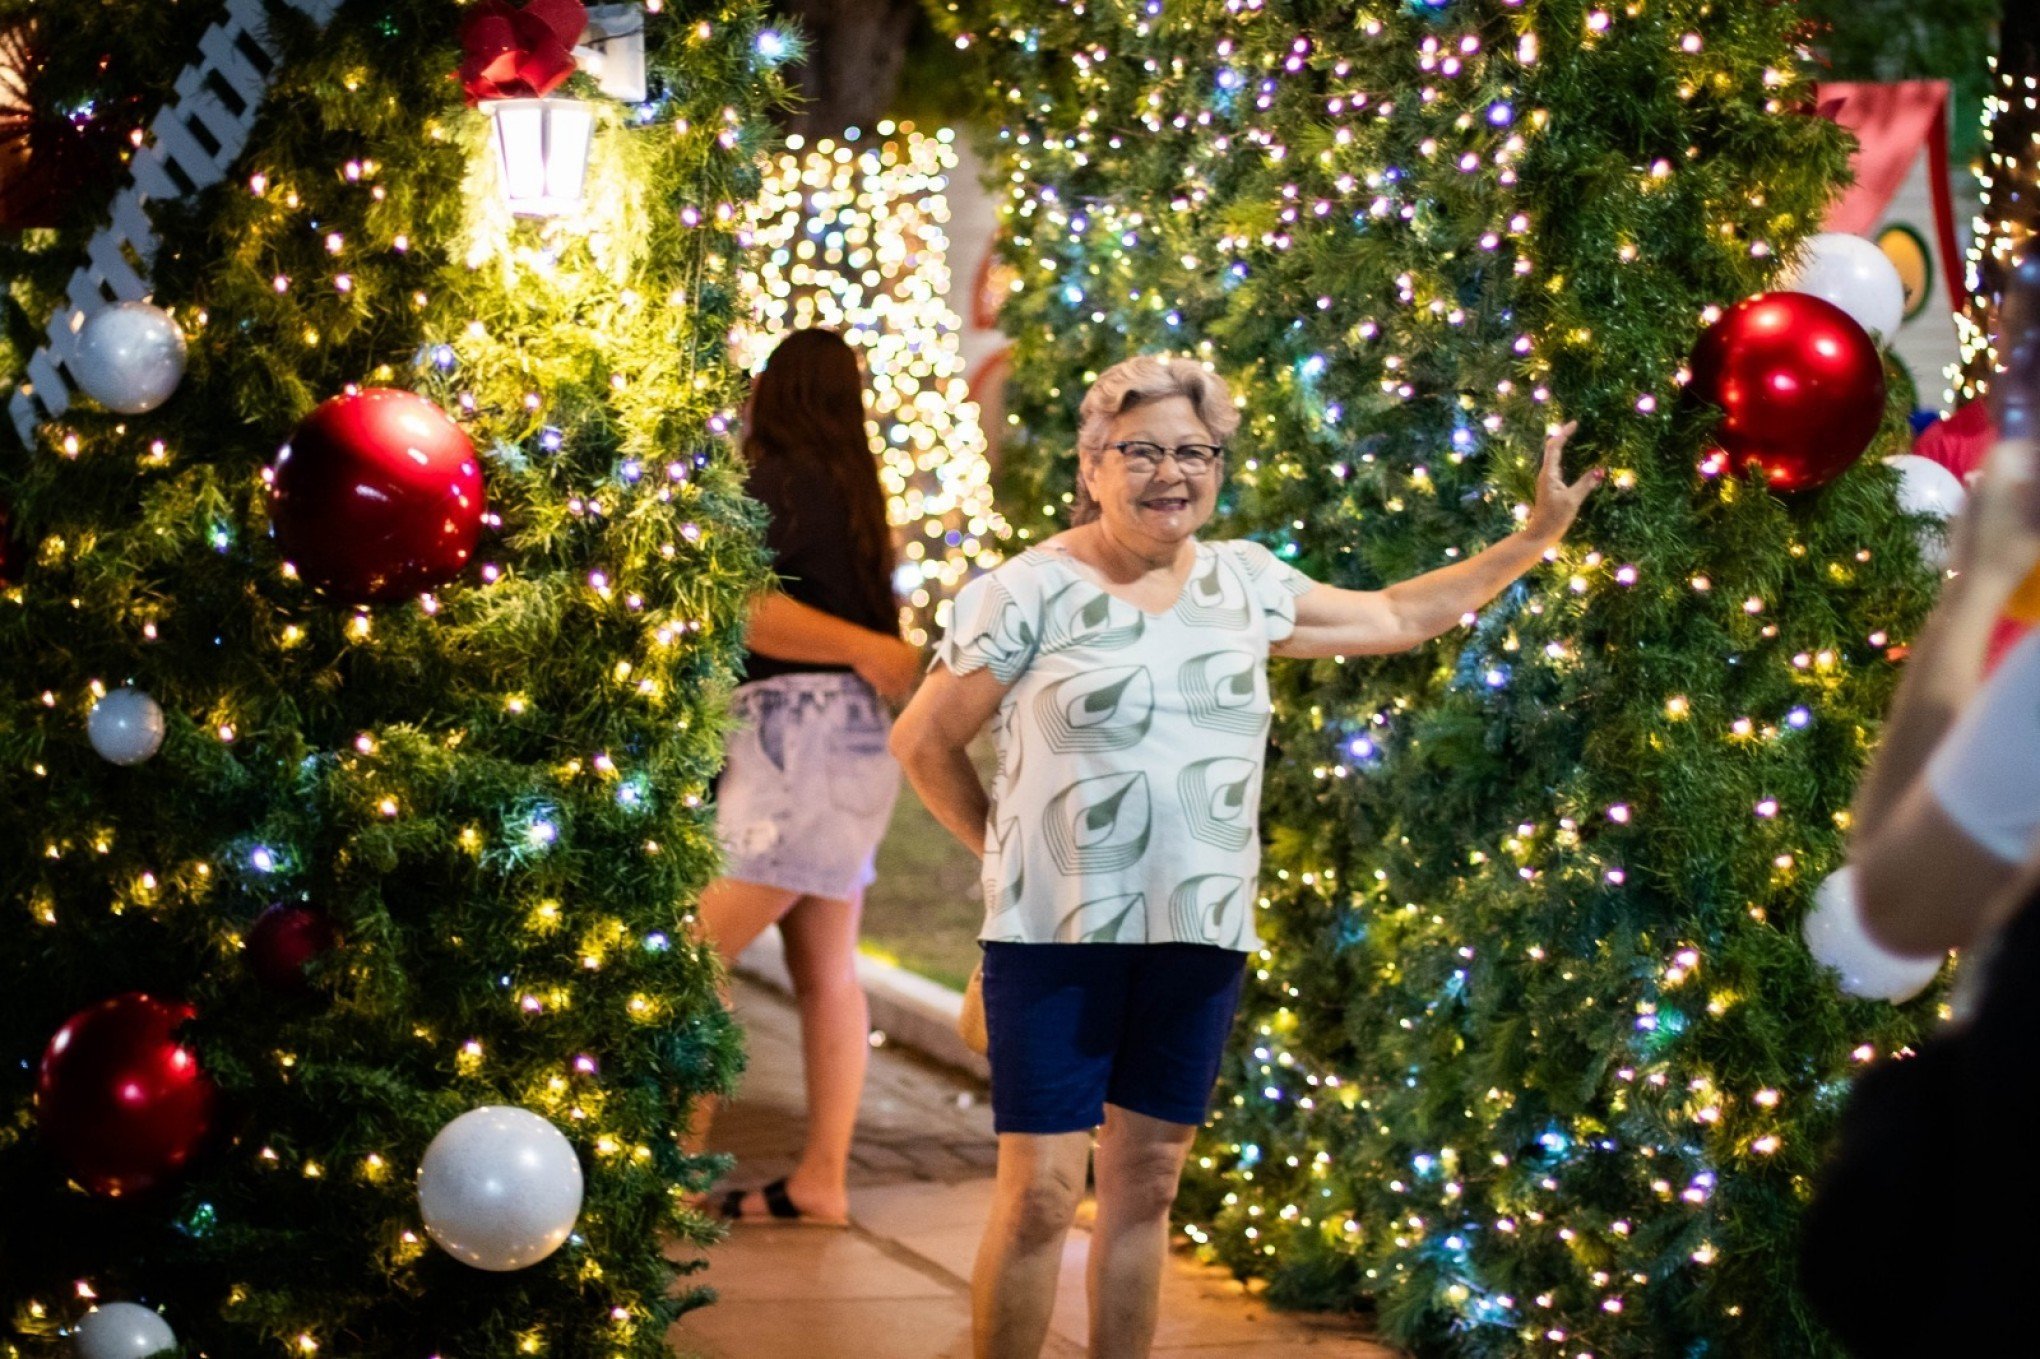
[1536, 1060]
[852, 236]
[482, 804]
[2009, 175]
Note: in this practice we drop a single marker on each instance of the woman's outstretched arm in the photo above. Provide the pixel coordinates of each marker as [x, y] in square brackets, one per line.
[1335, 622]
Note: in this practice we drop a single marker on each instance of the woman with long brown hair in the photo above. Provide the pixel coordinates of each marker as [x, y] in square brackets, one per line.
[809, 786]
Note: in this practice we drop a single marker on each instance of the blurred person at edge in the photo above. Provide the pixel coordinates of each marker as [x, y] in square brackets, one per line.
[1125, 663]
[1917, 1241]
[808, 785]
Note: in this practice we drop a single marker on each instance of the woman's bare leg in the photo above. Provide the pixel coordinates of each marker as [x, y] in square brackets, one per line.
[1140, 1160]
[1012, 1288]
[730, 916]
[835, 1035]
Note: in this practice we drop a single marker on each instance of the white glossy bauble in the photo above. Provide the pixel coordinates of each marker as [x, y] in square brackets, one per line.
[1926, 487]
[499, 1188]
[126, 726]
[1835, 935]
[1856, 276]
[130, 357]
[122, 1330]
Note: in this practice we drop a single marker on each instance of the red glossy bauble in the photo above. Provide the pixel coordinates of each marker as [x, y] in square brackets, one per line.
[1800, 385]
[122, 1103]
[282, 940]
[377, 496]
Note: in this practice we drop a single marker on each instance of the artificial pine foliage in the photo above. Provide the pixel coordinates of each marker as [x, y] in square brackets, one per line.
[1535, 1061]
[496, 792]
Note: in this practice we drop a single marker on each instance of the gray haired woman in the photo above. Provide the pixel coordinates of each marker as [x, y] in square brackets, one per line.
[1125, 664]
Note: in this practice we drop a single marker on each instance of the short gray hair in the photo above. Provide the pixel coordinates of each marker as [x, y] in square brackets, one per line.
[1136, 382]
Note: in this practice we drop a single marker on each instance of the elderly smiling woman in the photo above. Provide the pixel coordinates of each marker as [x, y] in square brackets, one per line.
[1125, 663]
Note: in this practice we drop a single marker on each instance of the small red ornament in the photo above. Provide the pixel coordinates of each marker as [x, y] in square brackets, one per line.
[282, 940]
[1800, 384]
[377, 496]
[120, 1100]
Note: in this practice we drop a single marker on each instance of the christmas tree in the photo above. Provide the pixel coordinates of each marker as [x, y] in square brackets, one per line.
[429, 803]
[1535, 1061]
[851, 236]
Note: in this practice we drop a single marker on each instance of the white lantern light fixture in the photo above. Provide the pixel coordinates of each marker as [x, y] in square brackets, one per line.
[542, 153]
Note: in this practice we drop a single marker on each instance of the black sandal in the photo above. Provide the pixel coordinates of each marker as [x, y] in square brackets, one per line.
[778, 1202]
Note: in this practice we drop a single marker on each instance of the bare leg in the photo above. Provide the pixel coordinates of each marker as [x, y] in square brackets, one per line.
[730, 916]
[1140, 1160]
[835, 1033]
[1012, 1289]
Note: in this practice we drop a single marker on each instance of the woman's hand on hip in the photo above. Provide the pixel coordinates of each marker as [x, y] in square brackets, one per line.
[1558, 501]
[891, 666]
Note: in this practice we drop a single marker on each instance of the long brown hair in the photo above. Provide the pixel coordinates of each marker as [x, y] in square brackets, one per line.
[807, 419]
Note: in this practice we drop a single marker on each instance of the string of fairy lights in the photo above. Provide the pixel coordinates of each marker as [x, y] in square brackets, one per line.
[2004, 224]
[1105, 261]
[851, 235]
[591, 264]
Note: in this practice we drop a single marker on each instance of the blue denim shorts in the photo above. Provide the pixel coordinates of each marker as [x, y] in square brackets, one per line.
[808, 786]
[1075, 1027]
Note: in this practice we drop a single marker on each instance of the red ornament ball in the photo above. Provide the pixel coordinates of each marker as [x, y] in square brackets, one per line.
[1800, 385]
[122, 1103]
[378, 495]
[282, 940]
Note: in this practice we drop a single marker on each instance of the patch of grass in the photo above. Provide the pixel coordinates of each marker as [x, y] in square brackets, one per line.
[924, 911]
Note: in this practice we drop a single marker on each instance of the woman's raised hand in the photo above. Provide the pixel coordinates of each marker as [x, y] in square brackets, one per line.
[1558, 501]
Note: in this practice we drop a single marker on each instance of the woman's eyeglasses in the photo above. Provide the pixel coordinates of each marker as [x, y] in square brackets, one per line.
[1193, 460]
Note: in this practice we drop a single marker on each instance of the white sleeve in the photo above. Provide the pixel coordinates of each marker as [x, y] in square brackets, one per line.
[994, 622]
[1986, 771]
[1275, 583]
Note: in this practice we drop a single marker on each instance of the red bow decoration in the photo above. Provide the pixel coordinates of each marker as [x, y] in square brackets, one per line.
[1959, 441]
[510, 53]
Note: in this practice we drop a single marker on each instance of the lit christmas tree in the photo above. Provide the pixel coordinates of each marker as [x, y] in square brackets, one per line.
[851, 236]
[397, 782]
[1535, 1061]
[2009, 175]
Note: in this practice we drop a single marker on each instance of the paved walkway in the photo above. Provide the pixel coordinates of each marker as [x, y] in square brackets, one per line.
[895, 1285]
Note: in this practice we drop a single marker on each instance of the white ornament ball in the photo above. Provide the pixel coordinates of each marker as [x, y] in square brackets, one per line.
[1926, 487]
[123, 1330]
[500, 1188]
[1837, 938]
[1856, 276]
[126, 726]
[130, 357]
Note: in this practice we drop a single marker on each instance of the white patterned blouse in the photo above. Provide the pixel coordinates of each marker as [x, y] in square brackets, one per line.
[1126, 804]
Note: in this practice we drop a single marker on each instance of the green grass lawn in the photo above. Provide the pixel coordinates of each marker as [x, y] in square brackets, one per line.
[924, 911]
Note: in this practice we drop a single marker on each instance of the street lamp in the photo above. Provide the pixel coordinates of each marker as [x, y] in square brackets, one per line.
[542, 153]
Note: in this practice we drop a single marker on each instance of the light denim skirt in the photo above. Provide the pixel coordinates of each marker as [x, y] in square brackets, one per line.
[808, 786]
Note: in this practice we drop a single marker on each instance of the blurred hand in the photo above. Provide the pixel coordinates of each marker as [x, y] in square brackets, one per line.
[892, 667]
[1558, 502]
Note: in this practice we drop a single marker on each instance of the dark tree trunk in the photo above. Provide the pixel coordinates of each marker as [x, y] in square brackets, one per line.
[2011, 198]
[855, 51]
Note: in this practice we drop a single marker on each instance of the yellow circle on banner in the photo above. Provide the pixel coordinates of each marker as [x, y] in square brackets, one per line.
[1907, 250]
[2024, 605]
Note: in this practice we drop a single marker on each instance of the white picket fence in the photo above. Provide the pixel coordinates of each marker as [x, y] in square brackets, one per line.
[193, 142]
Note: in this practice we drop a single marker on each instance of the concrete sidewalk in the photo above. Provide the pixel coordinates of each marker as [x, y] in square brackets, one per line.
[895, 1284]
